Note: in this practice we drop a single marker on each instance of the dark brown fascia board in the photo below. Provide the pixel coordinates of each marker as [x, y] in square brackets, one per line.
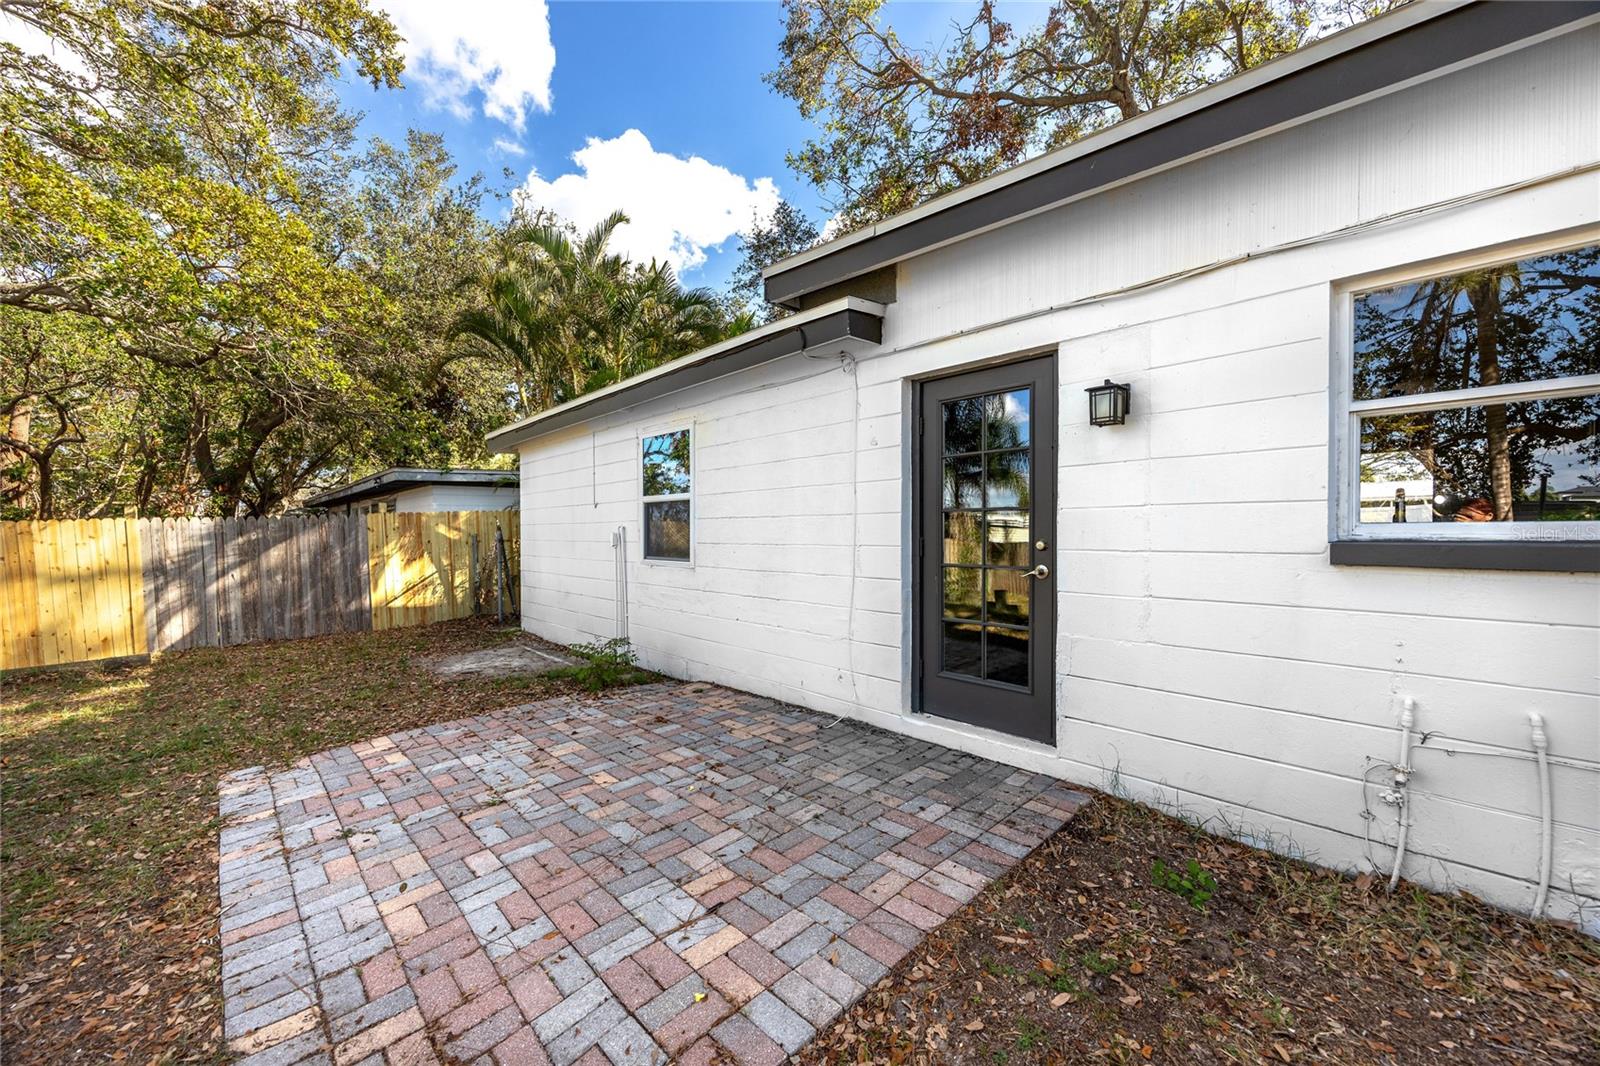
[1561, 556]
[1414, 52]
[845, 324]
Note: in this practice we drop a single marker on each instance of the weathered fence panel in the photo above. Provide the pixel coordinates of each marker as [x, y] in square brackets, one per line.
[220, 581]
[79, 590]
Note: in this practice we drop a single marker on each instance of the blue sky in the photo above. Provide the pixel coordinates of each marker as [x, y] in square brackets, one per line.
[637, 89]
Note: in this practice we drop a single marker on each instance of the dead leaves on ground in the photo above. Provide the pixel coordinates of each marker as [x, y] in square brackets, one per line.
[109, 872]
[1075, 956]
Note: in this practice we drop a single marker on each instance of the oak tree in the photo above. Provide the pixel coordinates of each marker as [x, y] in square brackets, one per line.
[901, 122]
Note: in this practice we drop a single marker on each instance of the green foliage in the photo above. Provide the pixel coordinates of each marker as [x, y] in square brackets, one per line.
[900, 124]
[562, 315]
[786, 233]
[1100, 964]
[216, 301]
[1194, 882]
[160, 167]
[607, 664]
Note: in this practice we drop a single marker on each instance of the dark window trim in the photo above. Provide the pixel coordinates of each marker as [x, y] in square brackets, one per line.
[1562, 556]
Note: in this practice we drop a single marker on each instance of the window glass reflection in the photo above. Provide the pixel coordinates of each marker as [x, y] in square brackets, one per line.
[963, 425]
[666, 529]
[1008, 481]
[1006, 598]
[1006, 420]
[985, 589]
[666, 464]
[1531, 320]
[963, 649]
[1008, 537]
[1006, 655]
[963, 482]
[963, 537]
[963, 592]
[1517, 462]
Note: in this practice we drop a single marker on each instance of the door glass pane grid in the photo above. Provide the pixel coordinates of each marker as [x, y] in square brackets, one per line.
[986, 591]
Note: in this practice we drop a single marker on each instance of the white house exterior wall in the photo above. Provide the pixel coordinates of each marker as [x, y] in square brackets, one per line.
[1210, 657]
[457, 498]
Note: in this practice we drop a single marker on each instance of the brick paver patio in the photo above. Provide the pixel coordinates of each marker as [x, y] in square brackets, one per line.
[675, 873]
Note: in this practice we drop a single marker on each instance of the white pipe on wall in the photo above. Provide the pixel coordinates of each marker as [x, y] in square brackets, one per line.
[619, 544]
[1402, 780]
[1541, 749]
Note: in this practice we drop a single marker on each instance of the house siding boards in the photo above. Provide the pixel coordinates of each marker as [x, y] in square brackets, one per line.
[1209, 655]
[456, 498]
[1531, 113]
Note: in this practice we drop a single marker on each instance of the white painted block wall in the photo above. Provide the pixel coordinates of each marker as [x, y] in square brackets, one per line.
[1210, 657]
[457, 498]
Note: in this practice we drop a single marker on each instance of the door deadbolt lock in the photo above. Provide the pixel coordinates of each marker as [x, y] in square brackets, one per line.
[1040, 546]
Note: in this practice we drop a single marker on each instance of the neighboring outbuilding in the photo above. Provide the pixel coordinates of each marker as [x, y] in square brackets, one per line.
[1234, 458]
[403, 488]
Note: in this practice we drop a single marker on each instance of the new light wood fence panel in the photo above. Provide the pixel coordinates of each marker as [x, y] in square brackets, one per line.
[70, 591]
[423, 566]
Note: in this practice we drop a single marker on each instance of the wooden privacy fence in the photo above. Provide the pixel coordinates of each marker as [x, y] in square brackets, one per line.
[73, 591]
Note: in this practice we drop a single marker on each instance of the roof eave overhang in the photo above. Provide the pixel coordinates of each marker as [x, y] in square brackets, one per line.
[1414, 44]
[839, 322]
[389, 481]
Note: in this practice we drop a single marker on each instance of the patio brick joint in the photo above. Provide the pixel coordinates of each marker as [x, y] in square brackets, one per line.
[666, 874]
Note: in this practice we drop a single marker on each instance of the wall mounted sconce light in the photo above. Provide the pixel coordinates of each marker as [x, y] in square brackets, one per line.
[1108, 404]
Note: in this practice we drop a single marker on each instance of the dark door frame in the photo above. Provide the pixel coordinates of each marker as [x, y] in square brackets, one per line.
[1045, 433]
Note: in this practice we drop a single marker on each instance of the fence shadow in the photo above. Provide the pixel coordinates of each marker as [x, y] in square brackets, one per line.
[80, 590]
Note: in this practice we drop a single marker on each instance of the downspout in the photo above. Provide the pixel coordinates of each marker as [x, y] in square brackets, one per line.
[1541, 750]
[1402, 781]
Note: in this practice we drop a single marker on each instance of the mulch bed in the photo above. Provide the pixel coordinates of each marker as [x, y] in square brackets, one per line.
[1078, 955]
[109, 864]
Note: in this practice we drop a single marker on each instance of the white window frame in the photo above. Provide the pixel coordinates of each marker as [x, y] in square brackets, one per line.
[694, 512]
[1345, 518]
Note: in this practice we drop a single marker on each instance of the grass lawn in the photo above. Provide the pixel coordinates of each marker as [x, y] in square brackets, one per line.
[1084, 953]
[108, 864]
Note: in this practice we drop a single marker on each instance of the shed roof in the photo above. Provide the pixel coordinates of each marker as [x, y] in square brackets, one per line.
[398, 478]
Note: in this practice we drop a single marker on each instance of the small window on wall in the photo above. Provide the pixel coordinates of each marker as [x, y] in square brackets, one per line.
[1474, 402]
[666, 488]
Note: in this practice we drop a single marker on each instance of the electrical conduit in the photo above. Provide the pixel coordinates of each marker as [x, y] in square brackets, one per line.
[1402, 779]
[1541, 750]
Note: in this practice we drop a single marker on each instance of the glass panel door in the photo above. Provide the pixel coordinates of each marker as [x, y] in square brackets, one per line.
[985, 508]
[987, 487]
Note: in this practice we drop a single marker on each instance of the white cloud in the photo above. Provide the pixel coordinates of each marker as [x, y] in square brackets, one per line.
[677, 208]
[508, 147]
[499, 48]
[33, 41]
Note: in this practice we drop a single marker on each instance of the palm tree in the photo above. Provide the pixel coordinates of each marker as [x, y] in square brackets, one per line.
[654, 319]
[566, 317]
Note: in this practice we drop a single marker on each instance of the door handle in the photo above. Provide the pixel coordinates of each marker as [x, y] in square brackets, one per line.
[1041, 572]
